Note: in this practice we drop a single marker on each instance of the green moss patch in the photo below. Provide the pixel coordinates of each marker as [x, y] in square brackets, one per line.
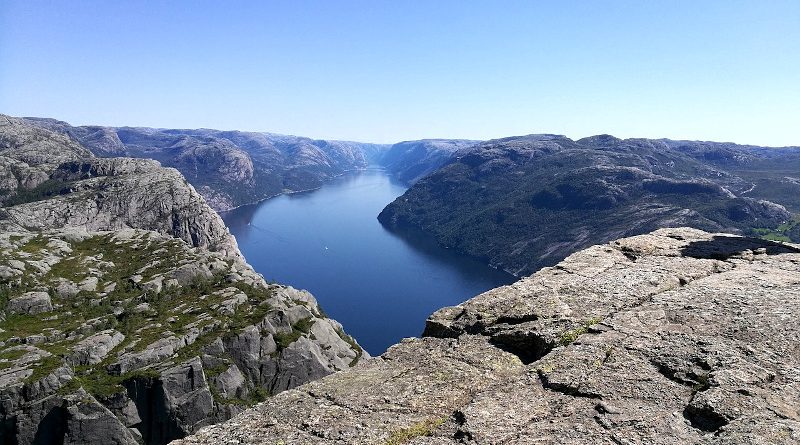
[567, 337]
[419, 429]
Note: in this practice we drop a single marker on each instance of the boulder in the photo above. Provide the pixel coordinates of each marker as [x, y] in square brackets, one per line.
[187, 396]
[89, 422]
[67, 289]
[231, 383]
[95, 348]
[30, 303]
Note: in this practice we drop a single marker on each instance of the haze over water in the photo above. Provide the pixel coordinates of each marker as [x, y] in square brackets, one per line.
[379, 285]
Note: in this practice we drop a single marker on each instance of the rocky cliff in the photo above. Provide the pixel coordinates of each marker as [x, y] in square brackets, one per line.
[678, 336]
[525, 202]
[229, 168]
[49, 181]
[127, 314]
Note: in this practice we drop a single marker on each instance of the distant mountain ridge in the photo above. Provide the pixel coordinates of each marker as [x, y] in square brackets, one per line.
[488, 198]
[410, 161]
[229, 168]
[528, 201]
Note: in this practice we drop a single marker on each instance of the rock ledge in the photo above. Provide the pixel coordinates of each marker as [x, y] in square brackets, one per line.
[678, 336]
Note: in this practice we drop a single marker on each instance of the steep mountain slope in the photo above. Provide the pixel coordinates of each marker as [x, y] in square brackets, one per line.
[52, 182]
[29, 154]
[127, 314]
[526, 202]
[412, 160]
[770, 173]
[677, 337]
[229, 168]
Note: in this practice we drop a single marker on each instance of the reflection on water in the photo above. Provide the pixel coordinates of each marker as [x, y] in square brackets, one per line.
[381, 286]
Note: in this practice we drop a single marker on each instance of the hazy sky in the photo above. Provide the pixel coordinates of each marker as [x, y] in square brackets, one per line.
[386, 71]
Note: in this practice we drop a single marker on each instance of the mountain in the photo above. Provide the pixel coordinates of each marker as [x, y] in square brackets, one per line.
[127, 313]
[412, 160]
[234, 168]
[675, 337]
[522, 203]
[229, 168]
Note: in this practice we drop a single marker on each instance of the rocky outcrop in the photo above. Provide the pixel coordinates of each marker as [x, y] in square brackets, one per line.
[234, 168]
[525, 202]
[77, 190]
[28, 155]
[110, 194]
[167, 339]
[678, 336]
[30, 303]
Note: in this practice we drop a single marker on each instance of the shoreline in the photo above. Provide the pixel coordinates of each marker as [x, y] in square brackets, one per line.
[291, 192]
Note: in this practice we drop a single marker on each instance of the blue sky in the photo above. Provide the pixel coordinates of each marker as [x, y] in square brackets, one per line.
[386, 71]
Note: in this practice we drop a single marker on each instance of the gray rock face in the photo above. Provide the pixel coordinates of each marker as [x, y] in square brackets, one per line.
[679, 336]
[78, 190]
[88, 421]
[135, 194]
[93, 349]
[35, 146]
[234, 168]
[187, 395]
[30, 303]
[522, 203]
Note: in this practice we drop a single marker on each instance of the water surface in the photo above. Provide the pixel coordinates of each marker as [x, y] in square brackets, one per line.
[381, 286]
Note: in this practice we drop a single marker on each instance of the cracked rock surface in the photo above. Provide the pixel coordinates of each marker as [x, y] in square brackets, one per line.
[678, 336]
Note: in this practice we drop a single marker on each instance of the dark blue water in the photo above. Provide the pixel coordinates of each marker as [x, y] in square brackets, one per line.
[380, 285]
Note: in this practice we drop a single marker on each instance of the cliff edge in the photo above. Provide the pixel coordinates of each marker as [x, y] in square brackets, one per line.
[678, 336]
[127, 314]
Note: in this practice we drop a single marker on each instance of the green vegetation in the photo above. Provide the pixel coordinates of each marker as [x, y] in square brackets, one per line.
[102, 384]
[567, 337]
[787, 232]
[8, 356]
[254, 396]
[283, 340]
[419, 429]
[44, 367]
[302, 326]
[5, 294]
[177, 309]
[45, 190]
[352, 342]
[34, 245]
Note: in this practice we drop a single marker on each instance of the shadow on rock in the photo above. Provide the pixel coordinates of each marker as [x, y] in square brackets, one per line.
[724, 247]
